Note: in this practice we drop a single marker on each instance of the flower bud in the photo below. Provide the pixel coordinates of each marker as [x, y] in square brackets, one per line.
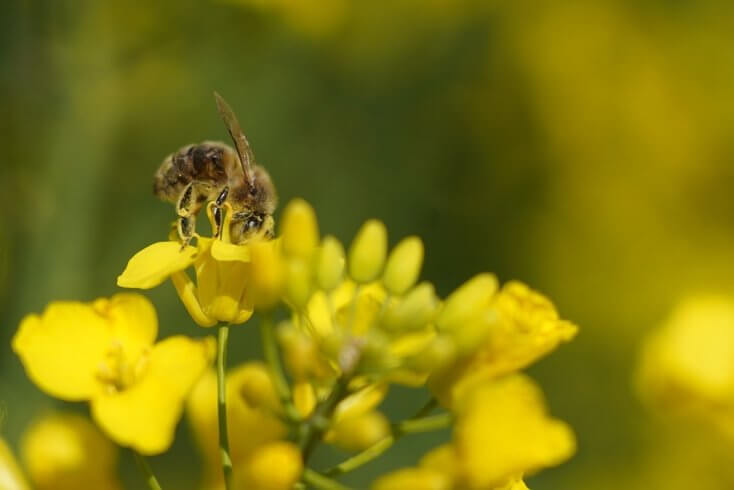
[330, 264]
[256, 387]
[298, 284]
[403, 266]
[367, 252]
[467, 302]
[274, 466]
[414, 311]
[299, 229]
[267, 274]
[360, 432]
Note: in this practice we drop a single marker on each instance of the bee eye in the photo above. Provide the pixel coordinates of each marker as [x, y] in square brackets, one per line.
[252, 223]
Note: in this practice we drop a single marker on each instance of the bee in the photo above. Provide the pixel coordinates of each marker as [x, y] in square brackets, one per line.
[212, 171]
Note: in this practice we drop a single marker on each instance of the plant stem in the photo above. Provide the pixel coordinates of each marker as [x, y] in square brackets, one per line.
[315, 426]
[222, 337]
[409, 426]
[150, 478]
[321, 482]
[272, 357]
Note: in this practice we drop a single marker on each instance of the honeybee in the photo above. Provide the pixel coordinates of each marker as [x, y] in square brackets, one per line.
[212, 171]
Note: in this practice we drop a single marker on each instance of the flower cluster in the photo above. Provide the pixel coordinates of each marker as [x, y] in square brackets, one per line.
[358, 320]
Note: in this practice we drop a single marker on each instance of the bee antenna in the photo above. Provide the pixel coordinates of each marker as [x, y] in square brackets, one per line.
[244, 152]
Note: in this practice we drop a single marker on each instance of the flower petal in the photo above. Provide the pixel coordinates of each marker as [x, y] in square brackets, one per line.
[152, 265]
[63, 349]
[228, 251]
[145, 415]
[186, 290]
[133, 321]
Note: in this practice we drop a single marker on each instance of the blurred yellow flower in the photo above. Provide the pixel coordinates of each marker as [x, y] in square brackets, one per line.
[104, 352]
[274, 466]
[503, 430]
[687, 365]
[524, 326]
[66, 452]
[251, 421]
[221, 267]
[11, 478]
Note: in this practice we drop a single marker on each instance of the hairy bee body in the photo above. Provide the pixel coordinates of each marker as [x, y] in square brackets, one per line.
[213, 171]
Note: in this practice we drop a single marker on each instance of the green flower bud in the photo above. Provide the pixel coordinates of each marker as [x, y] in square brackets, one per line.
[403, 266]
[467, 302]
[330, 264]
[413, 311]
[299, 229]
[368, 251]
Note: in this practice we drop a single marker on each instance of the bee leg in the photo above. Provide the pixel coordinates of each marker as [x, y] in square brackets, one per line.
[186, 201]
[218, 210]
[186, 228]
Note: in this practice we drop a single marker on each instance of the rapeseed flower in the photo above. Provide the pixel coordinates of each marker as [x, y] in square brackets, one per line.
[687, 365]
[520, 326]
[221, 268]
[104, 352]
[502, 432]
[66, 452]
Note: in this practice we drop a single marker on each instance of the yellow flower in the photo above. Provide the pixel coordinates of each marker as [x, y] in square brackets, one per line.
[66, 452]
[11, 478]
[104, 352]
[221, 268]
[523, 326]
[687, 366]
[502, 430]
[251, 420]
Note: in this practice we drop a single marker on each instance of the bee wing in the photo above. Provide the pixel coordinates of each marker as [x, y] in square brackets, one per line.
[238, 137]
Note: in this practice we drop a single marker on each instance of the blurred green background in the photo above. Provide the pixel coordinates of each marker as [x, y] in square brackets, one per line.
[584, 147]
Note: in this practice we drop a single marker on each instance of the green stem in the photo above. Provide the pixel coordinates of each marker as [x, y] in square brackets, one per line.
[150, 478]
[313, 429]
[424, 424]
[222, 337]
[410, 426]
[272, 357]
[321, 482]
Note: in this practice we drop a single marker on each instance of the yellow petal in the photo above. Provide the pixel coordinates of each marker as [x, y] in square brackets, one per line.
[65, 452]
[508, 416]
[63, 349]
[226, 252]
[152, 265]
[186, 290]
[11, 477]
[133, 321]
[144, 416]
